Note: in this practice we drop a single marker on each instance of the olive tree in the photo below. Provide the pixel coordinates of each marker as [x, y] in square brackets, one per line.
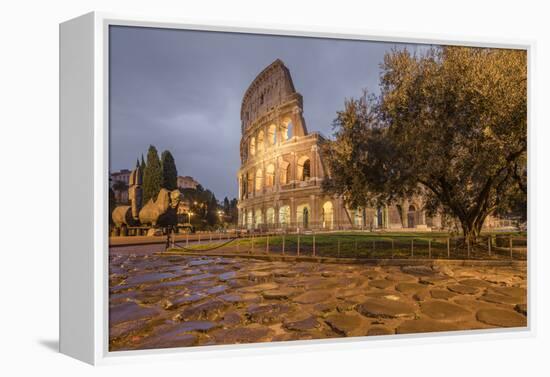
[450, 123]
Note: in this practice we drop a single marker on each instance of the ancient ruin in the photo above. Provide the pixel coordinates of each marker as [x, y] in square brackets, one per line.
[162, 212]
[129, 215]
[282, 168]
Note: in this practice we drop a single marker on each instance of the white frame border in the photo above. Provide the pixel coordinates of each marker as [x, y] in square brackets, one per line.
[102, 21]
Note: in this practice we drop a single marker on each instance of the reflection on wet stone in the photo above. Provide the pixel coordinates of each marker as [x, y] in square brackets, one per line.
[159, 301]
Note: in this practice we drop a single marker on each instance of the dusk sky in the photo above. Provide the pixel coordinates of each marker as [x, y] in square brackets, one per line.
[181, 90]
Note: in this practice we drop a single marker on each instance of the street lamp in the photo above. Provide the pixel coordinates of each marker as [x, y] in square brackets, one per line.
[220, 215]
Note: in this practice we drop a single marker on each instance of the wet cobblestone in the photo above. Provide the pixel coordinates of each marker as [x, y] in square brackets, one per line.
[180, 301]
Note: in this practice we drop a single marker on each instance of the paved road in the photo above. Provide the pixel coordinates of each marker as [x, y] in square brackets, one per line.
[136, 249]
[175, 301]
[150, 248]
[138, 240]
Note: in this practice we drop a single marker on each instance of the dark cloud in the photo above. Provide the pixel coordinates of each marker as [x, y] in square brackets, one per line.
[181, 90]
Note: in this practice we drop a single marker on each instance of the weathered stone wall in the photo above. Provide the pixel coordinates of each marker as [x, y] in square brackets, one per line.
[282, 169]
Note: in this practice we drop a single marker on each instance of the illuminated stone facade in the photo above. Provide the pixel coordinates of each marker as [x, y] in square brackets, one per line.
[282, 167]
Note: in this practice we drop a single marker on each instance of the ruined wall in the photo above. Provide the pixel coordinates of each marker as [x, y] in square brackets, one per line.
[281, 167]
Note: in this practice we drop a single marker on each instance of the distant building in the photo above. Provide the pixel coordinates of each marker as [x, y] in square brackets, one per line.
[121, 176]
[121, 196]
[187, 182]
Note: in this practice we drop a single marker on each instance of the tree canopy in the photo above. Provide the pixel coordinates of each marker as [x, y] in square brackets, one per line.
[449, 124]
[204, 206]
[169, 171]
[152, 175]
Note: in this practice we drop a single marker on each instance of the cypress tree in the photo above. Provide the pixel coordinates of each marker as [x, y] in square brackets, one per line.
[226, 205]
[152, 175]
[169, 171]
[142, 165]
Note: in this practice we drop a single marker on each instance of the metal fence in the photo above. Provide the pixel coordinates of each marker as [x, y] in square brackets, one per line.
[368, 245]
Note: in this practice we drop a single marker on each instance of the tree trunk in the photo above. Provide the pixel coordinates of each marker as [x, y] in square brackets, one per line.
[471, 227]
[470, 232]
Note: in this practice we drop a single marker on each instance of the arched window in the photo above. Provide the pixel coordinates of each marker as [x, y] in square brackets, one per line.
[249, 220]
[306, 172]
[411, 217]
[269, 175]
[261, 142]
[289, 130]
[243, 182]
[272, 135]
[284, 216]
[302, 215]
[258, 217]
[250, 182]
[288, 173]
[284, 175]
[328, 215]
[286, 130]
[259, 179]
[380, 217]
[304, 168]
[252, 147]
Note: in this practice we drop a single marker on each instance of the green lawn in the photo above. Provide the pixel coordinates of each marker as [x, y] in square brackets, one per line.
[362, 244]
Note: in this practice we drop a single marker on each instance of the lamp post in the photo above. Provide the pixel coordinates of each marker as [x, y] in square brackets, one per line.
[220, 215]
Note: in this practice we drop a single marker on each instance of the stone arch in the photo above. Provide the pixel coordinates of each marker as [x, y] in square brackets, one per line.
[411, 216]
[250, 182]
[380, 217]
[249, 219]
[244, 154]
[272, 134]
[287, 129]
[303, 213]
[304, 168]
[258, 217]
[328, 215]
[259, 179]
[261, 142]
[252, 147]
[242, 186]
[270, 175]
[284, 172]
[284, 216]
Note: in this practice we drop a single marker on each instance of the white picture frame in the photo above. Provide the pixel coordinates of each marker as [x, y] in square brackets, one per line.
[84, 141]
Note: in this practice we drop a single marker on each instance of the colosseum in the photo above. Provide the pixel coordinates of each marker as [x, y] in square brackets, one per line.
[282, 168]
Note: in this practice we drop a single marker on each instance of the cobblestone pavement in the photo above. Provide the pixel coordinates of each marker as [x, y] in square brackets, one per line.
[178, 301]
